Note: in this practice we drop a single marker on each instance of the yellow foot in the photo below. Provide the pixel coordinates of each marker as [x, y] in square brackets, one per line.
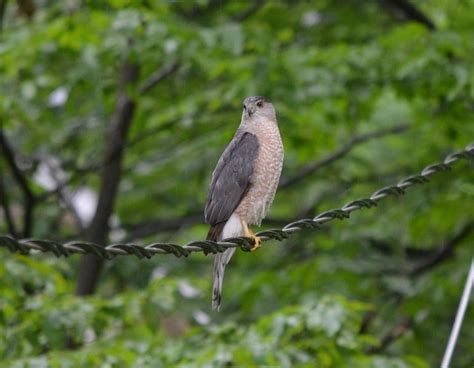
[258, 243]
[256, 240]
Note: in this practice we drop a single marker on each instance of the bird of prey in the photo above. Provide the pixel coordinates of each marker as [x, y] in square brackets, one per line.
[244, 182]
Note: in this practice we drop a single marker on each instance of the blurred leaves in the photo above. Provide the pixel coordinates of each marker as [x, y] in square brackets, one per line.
[334, 70]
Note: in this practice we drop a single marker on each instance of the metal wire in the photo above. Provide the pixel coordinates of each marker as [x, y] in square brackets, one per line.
[24, 246]
[468, 286]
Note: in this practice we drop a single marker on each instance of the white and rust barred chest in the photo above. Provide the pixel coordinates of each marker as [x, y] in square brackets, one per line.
[266, 175]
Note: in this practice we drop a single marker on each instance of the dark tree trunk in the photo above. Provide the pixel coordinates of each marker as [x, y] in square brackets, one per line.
[116, 138]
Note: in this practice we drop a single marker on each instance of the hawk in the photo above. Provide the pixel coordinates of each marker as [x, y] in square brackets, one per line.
[244, 182]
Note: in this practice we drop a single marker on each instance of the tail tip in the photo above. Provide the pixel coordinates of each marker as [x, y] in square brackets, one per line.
[216, 300]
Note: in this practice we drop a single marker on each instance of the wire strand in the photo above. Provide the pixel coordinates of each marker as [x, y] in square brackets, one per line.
[468, 286]
[25, 246]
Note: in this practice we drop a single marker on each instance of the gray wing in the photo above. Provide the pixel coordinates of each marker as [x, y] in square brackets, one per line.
[231, 178]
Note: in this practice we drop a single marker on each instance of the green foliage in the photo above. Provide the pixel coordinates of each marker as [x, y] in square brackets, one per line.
[334, 70]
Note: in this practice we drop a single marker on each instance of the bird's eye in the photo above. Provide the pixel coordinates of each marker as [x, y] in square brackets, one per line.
[260, 103]
[245, 107]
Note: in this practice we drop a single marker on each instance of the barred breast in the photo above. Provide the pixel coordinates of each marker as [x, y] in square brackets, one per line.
[266, 175]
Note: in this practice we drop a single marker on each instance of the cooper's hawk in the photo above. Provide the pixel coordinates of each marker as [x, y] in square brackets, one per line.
[244, 182]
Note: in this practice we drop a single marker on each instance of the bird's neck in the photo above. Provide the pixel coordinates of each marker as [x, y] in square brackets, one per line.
[267, 133]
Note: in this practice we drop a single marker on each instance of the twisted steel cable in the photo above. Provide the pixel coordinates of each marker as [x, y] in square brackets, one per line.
[24, 246]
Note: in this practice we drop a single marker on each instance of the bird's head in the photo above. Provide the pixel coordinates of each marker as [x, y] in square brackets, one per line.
[257, 108]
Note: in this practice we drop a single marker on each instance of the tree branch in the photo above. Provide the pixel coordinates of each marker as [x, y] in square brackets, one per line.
[411, 12]
[29, 198]
[157, 77]
[367, 321]
[391, 336]
[81, 171]
[256, 4]
[312, 167]
[4, 202]
[65, 196]
[3, 6]
[198, 11]
[151, 82]
[420, 260]
[443, 252]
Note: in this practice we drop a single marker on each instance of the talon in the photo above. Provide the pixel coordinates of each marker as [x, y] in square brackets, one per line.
[257, 243]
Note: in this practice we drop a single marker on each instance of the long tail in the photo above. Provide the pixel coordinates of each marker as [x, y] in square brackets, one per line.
[232, 227]
[221, 260]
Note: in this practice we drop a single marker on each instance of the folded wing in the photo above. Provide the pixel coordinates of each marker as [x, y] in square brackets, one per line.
[231, 178]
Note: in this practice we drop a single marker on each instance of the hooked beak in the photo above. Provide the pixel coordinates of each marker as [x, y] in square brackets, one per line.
[249, 110]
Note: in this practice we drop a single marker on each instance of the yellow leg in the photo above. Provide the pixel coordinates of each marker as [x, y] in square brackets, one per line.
[250, 234]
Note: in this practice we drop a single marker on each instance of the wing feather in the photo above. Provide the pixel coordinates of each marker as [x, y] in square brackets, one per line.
[231, 178]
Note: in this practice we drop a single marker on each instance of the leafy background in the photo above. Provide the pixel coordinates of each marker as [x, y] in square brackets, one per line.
[377, 290]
